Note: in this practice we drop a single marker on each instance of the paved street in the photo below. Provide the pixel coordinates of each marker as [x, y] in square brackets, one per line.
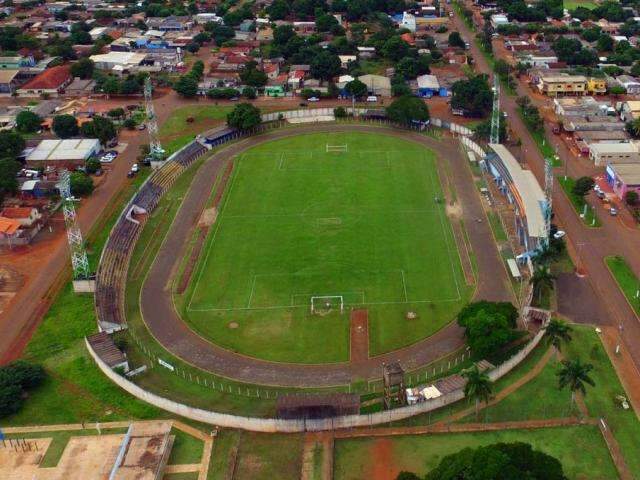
[588, 246]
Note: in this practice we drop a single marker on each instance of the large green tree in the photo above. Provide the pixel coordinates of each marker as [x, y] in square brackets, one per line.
[244, 117]
[83, 68]
[407, 109]
[101, 128]
[81, 184]
[65, 126]
[11, 144]
[251, 76]
[28, 122]
[8, 181]
[186, 86]
[473, 96]
[356, 88]
[500, 461]
[325, 65]
[557, 332]
[487, 332]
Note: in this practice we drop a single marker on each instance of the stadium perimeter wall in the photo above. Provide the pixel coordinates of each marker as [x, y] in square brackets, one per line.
[273, 425]
[303, 425]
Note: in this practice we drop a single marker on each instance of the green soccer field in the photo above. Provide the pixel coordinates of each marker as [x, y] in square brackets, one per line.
[359, 225]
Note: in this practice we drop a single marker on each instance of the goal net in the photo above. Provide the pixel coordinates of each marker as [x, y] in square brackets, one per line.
[323, 305]
[336, 148]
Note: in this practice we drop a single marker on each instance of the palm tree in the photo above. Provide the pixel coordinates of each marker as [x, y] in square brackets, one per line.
[544, 255]
[542, 278]
[558, 332]
[479, 386]
[575, 375]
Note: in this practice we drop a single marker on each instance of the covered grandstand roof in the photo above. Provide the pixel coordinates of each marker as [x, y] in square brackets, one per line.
[529, 190]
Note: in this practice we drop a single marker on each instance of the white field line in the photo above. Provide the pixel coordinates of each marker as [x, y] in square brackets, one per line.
[237, 167]
[446, 239]
[248, 307]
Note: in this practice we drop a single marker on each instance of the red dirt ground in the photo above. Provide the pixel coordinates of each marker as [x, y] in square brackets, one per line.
[359, 335]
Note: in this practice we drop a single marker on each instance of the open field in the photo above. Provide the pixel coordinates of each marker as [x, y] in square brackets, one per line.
[573, 4]
[384, 457]
[626, 279]
[176, 132]
[361, 224]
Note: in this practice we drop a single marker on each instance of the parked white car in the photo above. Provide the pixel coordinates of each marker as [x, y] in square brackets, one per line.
[559, 234]
[372, 99]
[313, 99]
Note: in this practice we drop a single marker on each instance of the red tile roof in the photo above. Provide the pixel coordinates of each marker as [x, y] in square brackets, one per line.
[51, 78]
[16, 212]
[8, 226]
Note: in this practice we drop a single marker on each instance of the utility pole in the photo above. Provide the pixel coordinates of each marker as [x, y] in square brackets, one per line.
[155, 148]
[494, 138]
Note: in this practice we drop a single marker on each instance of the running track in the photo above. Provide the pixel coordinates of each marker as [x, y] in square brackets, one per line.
[175, 336]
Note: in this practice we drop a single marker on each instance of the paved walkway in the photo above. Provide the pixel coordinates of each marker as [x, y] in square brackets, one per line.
[171, 331]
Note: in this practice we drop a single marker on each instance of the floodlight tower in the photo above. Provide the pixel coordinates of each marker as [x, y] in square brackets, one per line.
[548, 193]
[495, 113]
[79, 260]
[155, 148]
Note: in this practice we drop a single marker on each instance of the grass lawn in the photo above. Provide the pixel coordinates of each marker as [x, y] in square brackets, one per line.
[626, 279]
[601, 400]
[224, 445]
[176, 132]
[75, 389]
[573, 4]
[540, 398]
[263, 456]
[360, 224]
[581, 450]
[578, 202]
[186, 449]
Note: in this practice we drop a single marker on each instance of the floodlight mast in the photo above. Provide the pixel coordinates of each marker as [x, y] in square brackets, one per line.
[495, 113]
[155, 148]
[79, 260]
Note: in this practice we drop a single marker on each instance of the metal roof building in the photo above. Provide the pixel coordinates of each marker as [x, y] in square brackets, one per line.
[69, 150]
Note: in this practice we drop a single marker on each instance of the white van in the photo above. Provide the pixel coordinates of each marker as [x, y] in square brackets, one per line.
[372, 99]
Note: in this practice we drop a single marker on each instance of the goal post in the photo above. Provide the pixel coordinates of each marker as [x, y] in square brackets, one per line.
[324, 304]
[336, 148]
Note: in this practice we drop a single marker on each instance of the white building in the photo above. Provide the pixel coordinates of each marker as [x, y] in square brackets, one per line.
[631, 85]
[72, 150]
[603, 153]
[118, 61]
[408, 21]
[499, 19]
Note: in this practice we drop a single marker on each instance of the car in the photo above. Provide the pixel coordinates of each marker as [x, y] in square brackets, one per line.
[600, 194]
[142, 126]
[112, 153]
[234, 99]
[135, 168]
[147, 161]
[559, 234]
[106, 159]
[372, 99]
[613, 211]
[131, 174]
[314, 99]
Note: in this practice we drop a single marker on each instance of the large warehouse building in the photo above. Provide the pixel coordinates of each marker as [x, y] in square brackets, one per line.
[69, 152]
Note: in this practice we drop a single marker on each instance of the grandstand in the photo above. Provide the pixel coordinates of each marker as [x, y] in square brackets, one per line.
[112, 271]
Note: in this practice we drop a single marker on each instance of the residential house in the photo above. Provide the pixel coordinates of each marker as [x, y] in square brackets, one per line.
[377, 84]
[630, 84]
[171, 23]
[8, 81]
[558, 85]
[499, 19]
[346, 59]
[428, 86]
[623, 177]
[605, 153]
[579, 107]
[27, 217]
[630, 110]
[366, 52]
[50, 83]
[296, 78]
[597, 86]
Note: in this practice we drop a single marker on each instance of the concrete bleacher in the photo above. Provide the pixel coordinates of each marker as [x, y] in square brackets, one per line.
[112, 271]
